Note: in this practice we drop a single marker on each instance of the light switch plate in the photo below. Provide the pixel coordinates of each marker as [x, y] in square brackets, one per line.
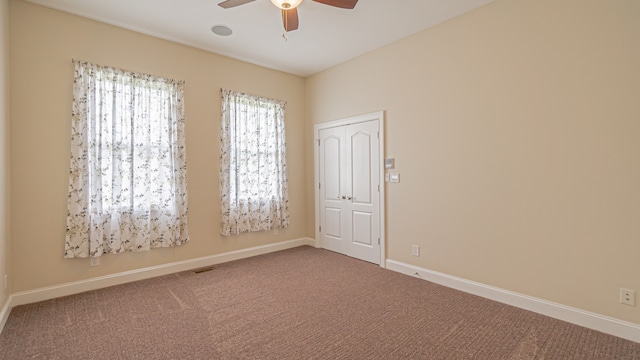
[395, 177]
[389, 163]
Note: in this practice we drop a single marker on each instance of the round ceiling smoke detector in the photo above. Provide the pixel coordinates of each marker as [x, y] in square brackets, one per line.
[221, 30]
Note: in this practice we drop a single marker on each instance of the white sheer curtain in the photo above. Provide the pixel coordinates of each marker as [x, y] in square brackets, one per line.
[127, 178]
[253, 165]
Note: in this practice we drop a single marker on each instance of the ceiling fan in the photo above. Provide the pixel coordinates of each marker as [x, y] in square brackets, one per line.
[289, 8]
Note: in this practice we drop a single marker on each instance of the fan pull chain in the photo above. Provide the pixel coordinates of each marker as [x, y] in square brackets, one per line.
[284, 36]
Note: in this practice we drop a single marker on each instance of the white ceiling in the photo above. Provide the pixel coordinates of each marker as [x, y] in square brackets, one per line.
[327, 36]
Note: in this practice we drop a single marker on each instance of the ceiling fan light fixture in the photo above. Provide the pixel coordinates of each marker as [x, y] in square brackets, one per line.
[286, 4]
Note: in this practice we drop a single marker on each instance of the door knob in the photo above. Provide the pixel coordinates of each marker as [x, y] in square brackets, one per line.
[349, 197]
[343, 197]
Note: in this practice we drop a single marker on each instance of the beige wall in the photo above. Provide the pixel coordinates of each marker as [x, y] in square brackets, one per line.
[43, 42]
[516, 131]
[4, 148]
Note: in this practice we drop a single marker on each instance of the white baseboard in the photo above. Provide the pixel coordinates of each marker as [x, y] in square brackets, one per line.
[608, 325]
[4, 313]
[52, 292]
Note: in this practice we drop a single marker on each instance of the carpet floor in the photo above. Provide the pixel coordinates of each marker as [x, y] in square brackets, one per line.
[302, 303]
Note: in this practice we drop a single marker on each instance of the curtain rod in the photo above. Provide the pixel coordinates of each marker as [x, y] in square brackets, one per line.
[222, 90]
[77, 61]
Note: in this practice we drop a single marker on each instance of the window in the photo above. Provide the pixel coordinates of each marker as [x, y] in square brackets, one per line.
[127, 182]
[253, 170]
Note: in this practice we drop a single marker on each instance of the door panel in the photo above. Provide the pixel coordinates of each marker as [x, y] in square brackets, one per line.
[361, 167]
[362, 228]
[332, 216]
[332, 175]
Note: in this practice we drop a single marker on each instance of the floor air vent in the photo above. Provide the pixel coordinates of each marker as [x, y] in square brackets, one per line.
[204, 269]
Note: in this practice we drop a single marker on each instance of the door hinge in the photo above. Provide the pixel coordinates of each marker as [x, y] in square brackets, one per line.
[378, 134]
[318, 140]
[378, 241]
[319, 185]
[378, 188]
[319, 228]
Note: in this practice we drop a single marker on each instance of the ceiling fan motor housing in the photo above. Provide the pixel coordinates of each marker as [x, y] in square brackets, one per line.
[286, 4]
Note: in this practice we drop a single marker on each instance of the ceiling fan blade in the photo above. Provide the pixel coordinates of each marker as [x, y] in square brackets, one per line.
[345, 4]
[233, 3]
[290, 19]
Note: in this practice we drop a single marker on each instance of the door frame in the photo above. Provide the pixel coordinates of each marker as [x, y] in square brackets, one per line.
[375, 116]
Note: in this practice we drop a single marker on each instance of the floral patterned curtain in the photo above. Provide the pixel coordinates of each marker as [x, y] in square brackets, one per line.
[127, 179]
[253, 165]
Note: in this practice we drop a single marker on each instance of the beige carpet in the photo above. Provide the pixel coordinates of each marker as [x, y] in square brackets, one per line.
[302, 303]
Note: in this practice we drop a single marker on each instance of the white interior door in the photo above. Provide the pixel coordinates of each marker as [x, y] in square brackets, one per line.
[333, 227]
[349, 190]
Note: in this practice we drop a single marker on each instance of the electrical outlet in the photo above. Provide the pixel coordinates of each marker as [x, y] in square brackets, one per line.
[95, 261]
[415, 250]
[627, 297]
